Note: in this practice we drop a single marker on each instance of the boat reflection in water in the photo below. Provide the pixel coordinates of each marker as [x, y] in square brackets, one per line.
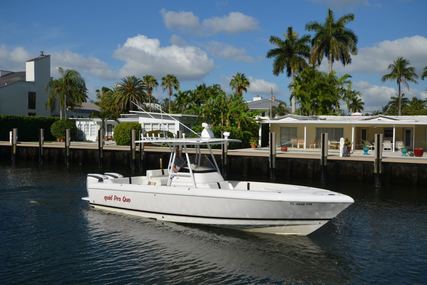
[192, 190]
[162, 252]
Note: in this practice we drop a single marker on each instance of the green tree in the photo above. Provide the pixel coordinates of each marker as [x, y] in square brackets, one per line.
[424, 73]
[239, 83]
[333, 40]
[170, 83]
[392, 107]
[106, 102]
[150, 83]
[353, 100]
[402, 72]
[69, 90]
[130, 89]
[319, 93]
[415, 107]
[290, 54]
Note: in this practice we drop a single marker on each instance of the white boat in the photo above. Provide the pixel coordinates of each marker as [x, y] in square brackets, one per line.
[198, 194]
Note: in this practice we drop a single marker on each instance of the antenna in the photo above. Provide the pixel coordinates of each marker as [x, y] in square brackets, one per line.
[162, 113]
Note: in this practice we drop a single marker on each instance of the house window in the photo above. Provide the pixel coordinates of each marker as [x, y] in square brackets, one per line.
[364, 135]
[388, 132]
[31, 100]
[31, 114]
[334, 134]
[287, 134]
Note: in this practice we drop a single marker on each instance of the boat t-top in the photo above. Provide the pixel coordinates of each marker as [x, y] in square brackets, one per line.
[191, 190]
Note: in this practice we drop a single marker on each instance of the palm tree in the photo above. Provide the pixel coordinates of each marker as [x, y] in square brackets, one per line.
[239, 83]
[392, 107]
[333, 40]
[170, 82]
[402, 72]
[70, 90]
[353, 101]
[130, 89]
[150, 83]
[424, 73]
[290, 53]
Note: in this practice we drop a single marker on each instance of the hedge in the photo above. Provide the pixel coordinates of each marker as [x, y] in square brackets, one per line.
[122, 132]
[28, 127]
[58, 128]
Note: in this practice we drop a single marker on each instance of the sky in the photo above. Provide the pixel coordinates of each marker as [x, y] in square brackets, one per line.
[208, 41]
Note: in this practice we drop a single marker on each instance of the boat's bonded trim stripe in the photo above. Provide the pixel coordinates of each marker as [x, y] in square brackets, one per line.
[157, 192]
[206, 217]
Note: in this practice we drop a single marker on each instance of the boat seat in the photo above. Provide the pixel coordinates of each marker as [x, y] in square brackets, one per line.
[158, 181]
[157, 173]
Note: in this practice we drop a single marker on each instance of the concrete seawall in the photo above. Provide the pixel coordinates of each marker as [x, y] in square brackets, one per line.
[249, 165]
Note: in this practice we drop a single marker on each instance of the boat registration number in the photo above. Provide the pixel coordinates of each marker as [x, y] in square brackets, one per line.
[300, 203]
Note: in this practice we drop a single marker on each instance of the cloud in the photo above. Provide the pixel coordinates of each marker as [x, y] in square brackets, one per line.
[227, 51]
[13, 59]
[180, 20]
[234, 22]
[377, 58]
[85, 65]
[262, 86]
[143, 55]
[177, 40]
[374, 96]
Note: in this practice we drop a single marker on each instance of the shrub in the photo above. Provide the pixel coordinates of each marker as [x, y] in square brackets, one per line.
[122, 132]
[28, 127]
[58, 129]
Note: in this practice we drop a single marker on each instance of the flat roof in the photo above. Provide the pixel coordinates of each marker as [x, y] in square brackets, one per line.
[349, 120]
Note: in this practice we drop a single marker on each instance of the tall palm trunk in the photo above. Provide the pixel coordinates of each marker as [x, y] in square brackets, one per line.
[170, 98]
[294, 100]
[400, 98]
[330, 62]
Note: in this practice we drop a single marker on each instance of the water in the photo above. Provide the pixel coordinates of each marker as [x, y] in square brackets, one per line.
[49, 236]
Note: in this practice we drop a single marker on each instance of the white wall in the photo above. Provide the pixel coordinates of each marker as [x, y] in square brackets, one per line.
[14, 97]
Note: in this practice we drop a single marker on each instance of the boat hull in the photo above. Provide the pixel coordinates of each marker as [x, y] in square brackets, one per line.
[254, 211]
[278, 227]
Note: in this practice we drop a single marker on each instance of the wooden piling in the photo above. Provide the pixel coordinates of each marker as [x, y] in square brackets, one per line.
[378, 153]
[133, 145]
[67, 142]
[14, 143]
[324, 144]
[272, 152]
[100, 145]
[41, 143]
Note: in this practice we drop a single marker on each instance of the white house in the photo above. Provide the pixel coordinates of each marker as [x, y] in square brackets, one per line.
[89, 127]
[149, 121]
[152, 121]
[304, 131]
[25, 93]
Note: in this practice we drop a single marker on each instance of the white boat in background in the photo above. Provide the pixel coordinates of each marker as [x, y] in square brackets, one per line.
[198, 194]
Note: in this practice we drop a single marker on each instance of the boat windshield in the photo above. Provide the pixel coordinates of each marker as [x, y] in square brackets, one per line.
[198, 163]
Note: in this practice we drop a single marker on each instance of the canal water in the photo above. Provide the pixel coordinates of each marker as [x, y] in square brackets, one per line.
[48, 235]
